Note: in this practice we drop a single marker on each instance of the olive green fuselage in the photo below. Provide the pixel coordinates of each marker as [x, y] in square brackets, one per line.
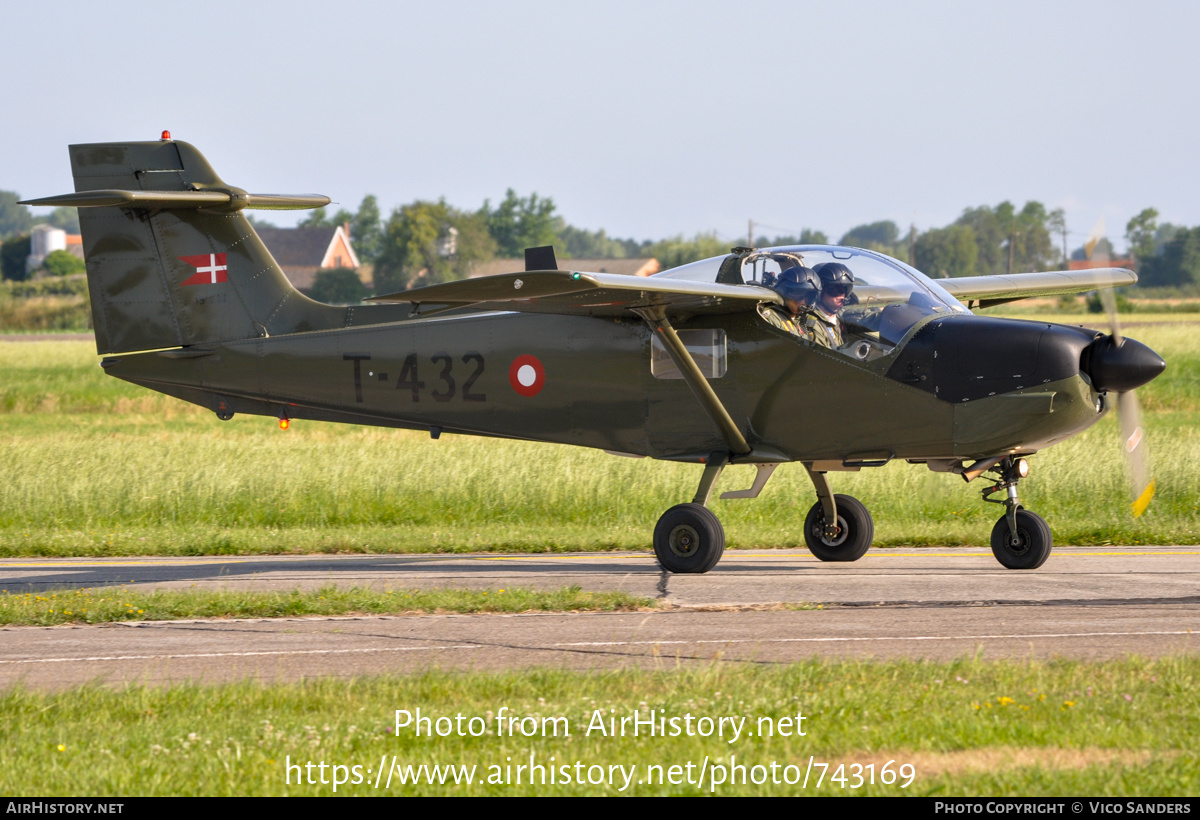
[589, 383]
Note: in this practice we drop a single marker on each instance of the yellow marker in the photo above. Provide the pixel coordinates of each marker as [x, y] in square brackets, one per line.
[1143, 501]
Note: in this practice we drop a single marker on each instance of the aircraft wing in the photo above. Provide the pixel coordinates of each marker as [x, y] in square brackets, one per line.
[987, 291]
[585, 294]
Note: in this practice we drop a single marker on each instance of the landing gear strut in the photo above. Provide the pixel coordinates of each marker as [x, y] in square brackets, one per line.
[1020, 539]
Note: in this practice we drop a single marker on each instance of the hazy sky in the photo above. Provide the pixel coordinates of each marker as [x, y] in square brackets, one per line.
[644, 118]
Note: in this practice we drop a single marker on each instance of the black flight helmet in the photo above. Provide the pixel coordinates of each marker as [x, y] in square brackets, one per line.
[835, 278]
[799, 284]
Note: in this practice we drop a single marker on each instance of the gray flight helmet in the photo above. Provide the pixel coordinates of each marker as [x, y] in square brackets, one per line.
[798, 284]
[835, 275]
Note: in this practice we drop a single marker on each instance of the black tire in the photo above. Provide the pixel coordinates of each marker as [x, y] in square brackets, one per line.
[689, 538]
[857, 530]
[1033, 541]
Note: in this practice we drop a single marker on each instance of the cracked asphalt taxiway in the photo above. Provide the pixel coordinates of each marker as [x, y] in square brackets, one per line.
[757, 606]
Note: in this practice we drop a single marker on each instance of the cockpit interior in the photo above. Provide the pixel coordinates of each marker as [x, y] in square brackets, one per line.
[888, 299]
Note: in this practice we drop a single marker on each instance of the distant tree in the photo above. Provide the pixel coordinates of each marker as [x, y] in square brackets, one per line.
[338, 286]
[1177, 265]
[518, 223]
[14, 219]
[63, 263]
[806, 237]
[578, 243]
[1033, 249]
[949, 251]
[320, 218]
[66, 219]
[1165, 233]
[880, 236]
[991, 232]
[1056, 224]
[366, 230]
[1003, 233]
[671, 253]
[1143, 235]
[13, 254]
[1139, 232]
[429, 242]
[258, 221]
[317, 218]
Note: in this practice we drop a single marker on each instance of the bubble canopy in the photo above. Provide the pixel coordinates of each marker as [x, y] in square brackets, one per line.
[889, 296]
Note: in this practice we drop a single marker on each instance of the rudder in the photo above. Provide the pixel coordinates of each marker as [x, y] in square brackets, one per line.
[167, 267]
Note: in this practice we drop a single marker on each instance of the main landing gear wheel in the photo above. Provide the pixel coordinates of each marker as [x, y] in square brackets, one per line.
[855, 531]
[689, 538]
[1033, 541]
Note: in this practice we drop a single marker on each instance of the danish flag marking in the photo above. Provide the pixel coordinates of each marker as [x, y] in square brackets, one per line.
[210, 269]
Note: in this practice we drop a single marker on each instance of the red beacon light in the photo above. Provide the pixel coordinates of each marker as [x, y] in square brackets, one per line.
[284, 423]
[166, 135]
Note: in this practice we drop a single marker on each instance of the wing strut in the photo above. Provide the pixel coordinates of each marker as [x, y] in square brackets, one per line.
[657, 320]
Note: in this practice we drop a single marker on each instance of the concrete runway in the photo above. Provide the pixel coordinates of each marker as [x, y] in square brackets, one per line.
[1091, 603]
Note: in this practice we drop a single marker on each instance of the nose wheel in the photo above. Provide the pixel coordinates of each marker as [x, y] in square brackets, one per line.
[1020, 539]
[1029, 548]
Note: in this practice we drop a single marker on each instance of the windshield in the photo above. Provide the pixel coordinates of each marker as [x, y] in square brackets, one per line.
[888, 298]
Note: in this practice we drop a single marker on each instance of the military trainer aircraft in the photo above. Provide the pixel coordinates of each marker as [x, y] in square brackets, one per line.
[682, 366]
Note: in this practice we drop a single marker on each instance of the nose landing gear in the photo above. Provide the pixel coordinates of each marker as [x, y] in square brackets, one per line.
[1021, 539]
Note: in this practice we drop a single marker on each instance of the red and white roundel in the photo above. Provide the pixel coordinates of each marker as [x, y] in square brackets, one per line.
[527, 375]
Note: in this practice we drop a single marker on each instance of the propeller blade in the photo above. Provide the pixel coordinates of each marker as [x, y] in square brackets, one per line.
[1109, 300]
[1095, 235]
[1129, 411]
[1136, 451]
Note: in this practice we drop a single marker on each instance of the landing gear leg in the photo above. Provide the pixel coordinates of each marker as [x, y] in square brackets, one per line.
[688, 537]
[838, 527]
[1020, 539]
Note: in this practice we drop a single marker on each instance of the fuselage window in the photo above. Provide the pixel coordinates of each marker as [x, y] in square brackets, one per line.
[707, 347]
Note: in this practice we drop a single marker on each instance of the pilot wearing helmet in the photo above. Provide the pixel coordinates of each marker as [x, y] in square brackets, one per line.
[799, 288]
[837, 283]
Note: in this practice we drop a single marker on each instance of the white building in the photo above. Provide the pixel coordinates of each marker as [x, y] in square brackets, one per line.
[43, 241]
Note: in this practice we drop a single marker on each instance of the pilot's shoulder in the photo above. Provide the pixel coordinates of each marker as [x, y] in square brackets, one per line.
[772, 313]
[820, 319]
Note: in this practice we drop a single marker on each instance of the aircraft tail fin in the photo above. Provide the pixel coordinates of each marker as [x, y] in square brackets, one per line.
[171, 259]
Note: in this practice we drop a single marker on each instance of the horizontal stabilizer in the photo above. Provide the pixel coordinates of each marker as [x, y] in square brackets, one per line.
[997, 290]
[586, 294]
[233, 199]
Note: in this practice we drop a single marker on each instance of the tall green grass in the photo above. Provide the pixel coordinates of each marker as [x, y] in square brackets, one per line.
[967, 727]
[97, 466]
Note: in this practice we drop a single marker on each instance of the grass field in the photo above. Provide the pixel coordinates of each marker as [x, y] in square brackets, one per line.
[950, 729]
[120, 603]
[95, 466]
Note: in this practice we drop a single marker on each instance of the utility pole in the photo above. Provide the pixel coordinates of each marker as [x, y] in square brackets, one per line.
[750, 235]
[1012, 236]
